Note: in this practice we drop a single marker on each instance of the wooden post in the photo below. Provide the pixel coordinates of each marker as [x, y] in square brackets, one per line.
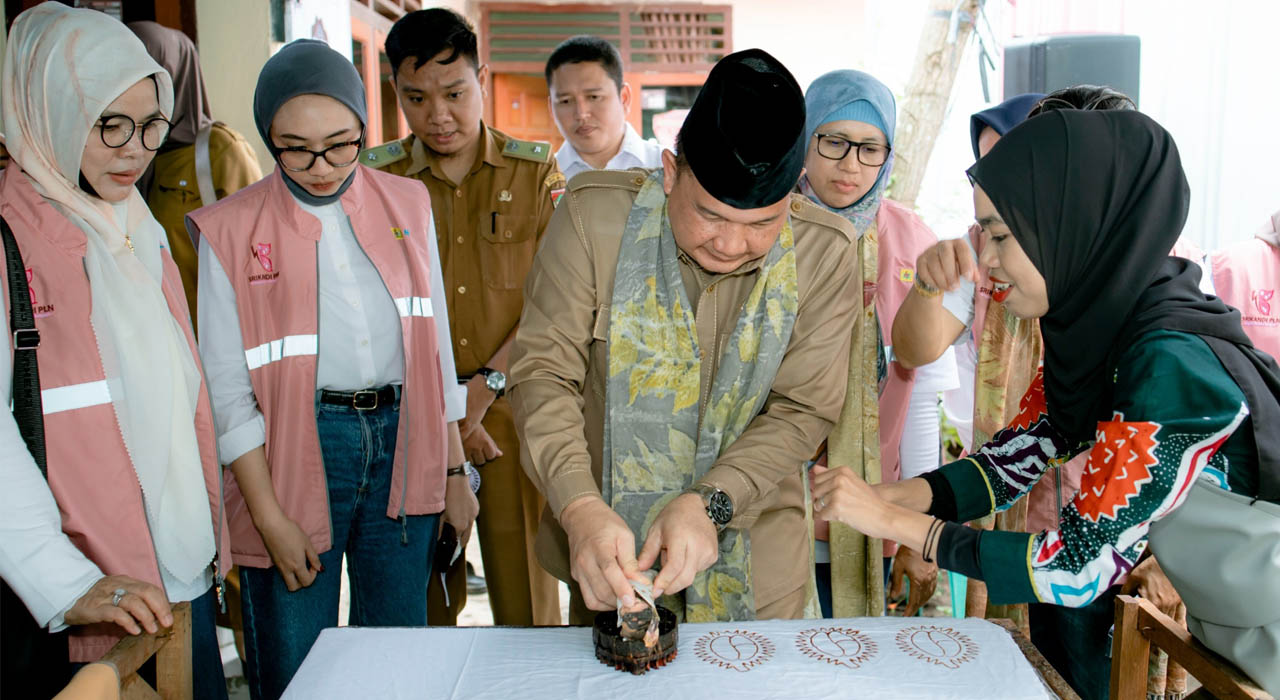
[1129, 652]
[173, 660]
[921, 112]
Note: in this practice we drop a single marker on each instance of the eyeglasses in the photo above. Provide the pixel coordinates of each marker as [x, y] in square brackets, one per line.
[117, 130]
[870, 154]
[300, 159]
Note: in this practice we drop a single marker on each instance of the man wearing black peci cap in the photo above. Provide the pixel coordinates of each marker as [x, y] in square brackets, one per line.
[682, 352]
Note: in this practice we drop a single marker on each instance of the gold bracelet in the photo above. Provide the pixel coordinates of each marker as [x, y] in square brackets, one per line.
[925, 290]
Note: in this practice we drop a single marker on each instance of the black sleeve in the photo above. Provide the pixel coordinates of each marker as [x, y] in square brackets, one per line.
[943, 506]
[958, 550]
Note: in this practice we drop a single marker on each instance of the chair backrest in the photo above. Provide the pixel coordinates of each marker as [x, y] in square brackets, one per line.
[172, 650]
[1139, 625]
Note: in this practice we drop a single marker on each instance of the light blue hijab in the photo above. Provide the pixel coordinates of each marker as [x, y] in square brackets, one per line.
[846, 94]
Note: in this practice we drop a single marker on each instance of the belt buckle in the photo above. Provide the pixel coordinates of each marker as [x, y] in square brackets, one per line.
[364, 400]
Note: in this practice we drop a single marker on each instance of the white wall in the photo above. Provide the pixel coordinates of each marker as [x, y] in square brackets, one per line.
[1211, 79]
[809, 37]
[333, 16]
[235, 42]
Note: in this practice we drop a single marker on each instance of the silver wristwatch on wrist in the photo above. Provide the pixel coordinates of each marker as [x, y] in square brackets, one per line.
[468, 470]
[719, 505]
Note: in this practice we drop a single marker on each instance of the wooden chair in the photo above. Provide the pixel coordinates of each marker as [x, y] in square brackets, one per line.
[172, 650]
[1139, 624]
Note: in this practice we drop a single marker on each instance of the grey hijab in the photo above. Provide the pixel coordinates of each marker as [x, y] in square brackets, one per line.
[306, 67]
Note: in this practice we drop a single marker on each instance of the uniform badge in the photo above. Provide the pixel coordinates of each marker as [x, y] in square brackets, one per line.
[400, 233]
[504, 196]
[555, 182]
[38, 309]
[262, 251]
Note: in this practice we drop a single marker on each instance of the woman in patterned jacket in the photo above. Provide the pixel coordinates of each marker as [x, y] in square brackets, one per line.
[1158, 382]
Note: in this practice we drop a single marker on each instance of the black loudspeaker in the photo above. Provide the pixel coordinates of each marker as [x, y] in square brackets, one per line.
[1049, 63]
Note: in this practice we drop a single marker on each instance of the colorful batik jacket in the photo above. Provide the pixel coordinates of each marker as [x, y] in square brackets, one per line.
[1178, 416]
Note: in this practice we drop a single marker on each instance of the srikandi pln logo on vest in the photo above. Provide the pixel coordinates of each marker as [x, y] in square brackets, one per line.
[37, 309]
[1262, 300]
[262, 251]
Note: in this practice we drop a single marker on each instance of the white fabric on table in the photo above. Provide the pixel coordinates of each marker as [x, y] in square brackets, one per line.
[976, 659]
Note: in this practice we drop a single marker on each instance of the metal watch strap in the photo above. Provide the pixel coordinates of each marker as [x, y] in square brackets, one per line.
[706, 493]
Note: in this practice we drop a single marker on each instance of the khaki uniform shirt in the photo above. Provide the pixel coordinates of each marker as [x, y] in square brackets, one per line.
[560, 362]
[488, 227]
[175, 192]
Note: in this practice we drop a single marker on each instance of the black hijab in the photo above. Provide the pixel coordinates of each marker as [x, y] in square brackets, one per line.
[1097, 200]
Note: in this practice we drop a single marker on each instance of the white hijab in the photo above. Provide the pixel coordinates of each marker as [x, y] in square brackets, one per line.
[62, 68]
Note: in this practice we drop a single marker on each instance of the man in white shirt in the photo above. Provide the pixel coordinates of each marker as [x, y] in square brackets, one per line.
[589, 103]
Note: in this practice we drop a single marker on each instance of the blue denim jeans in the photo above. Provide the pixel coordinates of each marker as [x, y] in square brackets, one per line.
[388, 560]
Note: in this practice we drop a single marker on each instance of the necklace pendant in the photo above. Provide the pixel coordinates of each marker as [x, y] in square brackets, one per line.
[129, 242]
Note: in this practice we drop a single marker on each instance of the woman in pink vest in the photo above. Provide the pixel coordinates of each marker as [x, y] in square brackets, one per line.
[325, 337]
[851, 119]
[1246, 275]
[130, 517]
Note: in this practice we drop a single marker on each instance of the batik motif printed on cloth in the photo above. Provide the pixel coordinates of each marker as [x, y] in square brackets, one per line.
[857, 568]
[656, 443]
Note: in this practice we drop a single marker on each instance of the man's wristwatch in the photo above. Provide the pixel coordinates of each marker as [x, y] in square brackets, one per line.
[719, 505]
[466, 469]
[494, 381]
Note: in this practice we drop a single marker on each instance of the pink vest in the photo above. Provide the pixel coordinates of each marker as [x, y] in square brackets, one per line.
[1247, 276]
[268, 246]
[903, 237]
[90, 474]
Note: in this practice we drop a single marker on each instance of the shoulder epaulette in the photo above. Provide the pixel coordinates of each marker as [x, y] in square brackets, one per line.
[384, 155]
[632, 179]
[536, 151]
[805, 210]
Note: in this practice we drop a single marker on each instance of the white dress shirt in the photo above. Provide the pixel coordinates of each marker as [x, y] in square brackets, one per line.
[635, 153]
[359, 347]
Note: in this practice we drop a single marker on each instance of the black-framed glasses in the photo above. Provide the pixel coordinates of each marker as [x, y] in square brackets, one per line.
[118, 129]
[870, 153]
[300, 158]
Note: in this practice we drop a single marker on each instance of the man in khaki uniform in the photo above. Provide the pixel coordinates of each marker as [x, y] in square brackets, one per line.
[491, 197]
[725, 218]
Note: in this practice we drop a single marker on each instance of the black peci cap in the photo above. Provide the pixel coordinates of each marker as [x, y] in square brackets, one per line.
[744, 136]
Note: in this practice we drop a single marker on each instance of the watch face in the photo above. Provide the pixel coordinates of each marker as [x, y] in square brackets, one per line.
[720, 508]
[496, 381]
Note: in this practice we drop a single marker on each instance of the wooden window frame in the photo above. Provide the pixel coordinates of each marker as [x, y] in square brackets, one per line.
[637, 74]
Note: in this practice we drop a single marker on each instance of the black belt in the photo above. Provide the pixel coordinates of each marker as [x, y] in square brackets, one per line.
[364, 400]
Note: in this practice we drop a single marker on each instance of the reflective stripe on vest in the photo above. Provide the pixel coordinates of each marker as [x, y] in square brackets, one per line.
[73, 396]
[275, 350]
[414, 306]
